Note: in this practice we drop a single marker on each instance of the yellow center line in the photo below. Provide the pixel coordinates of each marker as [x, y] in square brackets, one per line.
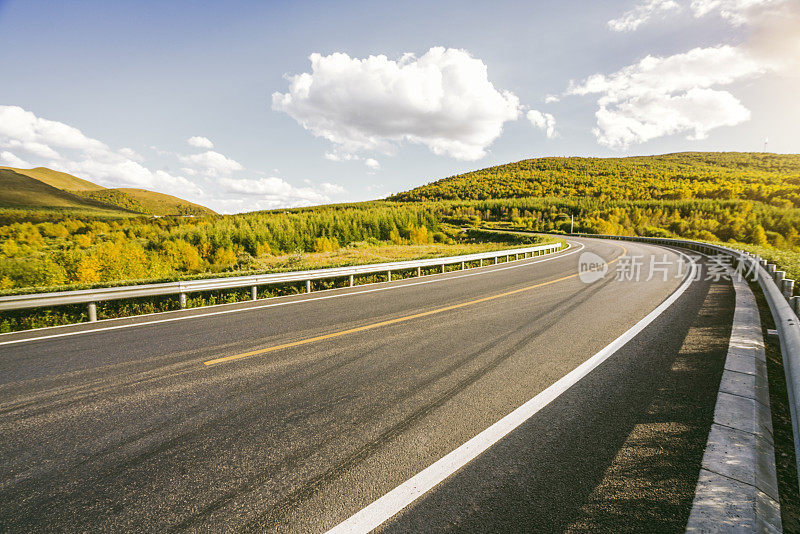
[394, 321]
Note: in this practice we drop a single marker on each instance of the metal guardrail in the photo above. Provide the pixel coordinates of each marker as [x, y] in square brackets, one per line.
[785, 309]
[92, 296]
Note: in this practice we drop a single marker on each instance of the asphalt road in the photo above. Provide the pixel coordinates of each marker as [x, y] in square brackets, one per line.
[345, 394]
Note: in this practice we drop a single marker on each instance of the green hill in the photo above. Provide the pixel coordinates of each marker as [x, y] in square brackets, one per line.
[59, 180]
[161, 204]
[18, 191]
[64, 192]
[768, 178]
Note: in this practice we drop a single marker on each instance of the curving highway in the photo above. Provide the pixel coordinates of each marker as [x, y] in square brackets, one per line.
[296, 413]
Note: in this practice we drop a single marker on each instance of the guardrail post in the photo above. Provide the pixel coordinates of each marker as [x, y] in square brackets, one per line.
[481, 262]
[388, 276]
[788, 288]
[254, 293]
[771, 269]
[463, 266]
[495, 259]
[443, 267]
[92, 312]
[419, 271]
[795, 302]
[182, 300]
[779, 276]
[351, 280]
[308, 286]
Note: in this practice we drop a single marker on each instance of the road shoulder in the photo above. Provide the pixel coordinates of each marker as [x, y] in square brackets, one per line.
[737, 488]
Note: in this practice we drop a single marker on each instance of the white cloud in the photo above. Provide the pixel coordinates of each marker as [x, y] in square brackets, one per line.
[372, 164]
[737, 12]
[696, 112]
[443, 100]
[33, 148]
[662, 96]
[130, 154]
[22, 132]
[129, 173]
[641, 13]
[667, 95]
[549, 99]
[200, 142]
[10, 160]
[331, 189]
[29, 130]
[212, 163]
[273, 192]
[341, 156]
[543, 121]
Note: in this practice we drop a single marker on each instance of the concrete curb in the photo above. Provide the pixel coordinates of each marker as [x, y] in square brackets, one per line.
[737, 490]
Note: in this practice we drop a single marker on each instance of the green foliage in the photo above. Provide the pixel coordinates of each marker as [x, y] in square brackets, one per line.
[769, 178]
[53, 251]
[115, 198]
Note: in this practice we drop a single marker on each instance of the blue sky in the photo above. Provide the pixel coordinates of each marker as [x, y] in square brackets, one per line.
[113, 91]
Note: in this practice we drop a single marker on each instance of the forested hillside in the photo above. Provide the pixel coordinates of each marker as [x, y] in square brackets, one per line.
[746, 198]
[770, 178]
[91, 250]
[742, 197]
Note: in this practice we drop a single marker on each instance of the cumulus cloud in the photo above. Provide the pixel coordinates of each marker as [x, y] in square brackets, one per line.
[212, 163]
[641, 13]
[33, 148]
[37, 135]
[443, 100]
[200, 142]
[695, 112]
[667, 95]
[372, 164]
[543, 121]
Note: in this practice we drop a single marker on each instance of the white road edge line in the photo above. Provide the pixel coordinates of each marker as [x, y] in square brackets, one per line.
[262, 306]
[387, 506]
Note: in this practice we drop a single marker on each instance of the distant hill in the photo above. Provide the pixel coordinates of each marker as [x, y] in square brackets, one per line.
[147, 202]
[769, 178]
[59, 180]
[23, 192]
[67, 192]
[161, 204]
